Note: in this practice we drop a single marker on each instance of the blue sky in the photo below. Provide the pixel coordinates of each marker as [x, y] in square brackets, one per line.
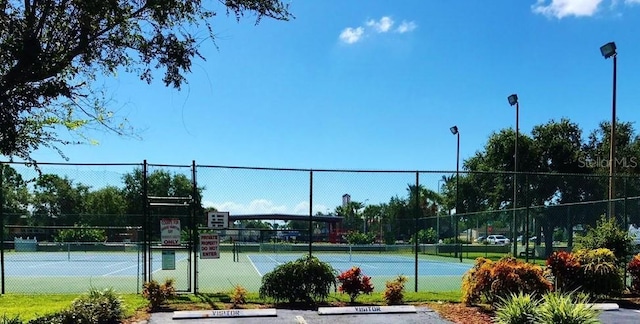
[376, 85]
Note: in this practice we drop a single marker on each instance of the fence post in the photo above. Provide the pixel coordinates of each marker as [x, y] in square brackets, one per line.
[195, 204]
[2, 228]
[525, 235]
[146, 273]
[415, 230]
[310, 213]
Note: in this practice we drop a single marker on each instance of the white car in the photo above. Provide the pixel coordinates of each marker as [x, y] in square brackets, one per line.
[497, 239]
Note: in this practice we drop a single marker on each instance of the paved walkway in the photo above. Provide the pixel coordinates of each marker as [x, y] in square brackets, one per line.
[424, 315]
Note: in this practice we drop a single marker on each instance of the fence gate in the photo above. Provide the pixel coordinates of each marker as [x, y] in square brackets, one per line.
[170, 238]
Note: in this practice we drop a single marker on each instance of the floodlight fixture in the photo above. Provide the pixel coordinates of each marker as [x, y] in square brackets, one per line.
[513, 99]
[608, 50]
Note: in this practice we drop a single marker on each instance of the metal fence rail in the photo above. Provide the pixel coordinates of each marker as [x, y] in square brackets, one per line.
[78, 225]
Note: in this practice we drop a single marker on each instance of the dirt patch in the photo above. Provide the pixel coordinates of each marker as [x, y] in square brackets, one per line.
[461, 314]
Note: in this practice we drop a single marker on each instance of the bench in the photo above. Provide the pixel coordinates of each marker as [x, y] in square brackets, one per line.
[530, 251]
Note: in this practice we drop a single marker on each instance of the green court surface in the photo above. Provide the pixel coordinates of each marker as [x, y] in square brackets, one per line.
[55, 272]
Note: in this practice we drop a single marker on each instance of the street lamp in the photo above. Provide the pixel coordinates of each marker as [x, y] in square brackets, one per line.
[444, 179]
[364, 217]
[513, 100]
[454, 131]
[609, 50]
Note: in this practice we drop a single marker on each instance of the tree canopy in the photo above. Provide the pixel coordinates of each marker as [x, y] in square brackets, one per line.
[52, 52]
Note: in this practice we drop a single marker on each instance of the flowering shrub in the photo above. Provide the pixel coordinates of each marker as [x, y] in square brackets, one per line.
[634, 271]
[354, 283]
[566, 270]
[495, 280]
[394, 293]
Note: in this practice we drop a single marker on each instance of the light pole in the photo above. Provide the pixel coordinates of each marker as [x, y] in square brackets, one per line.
[454, 131]
[364, 218]
[438, 212]
[513, 100]
[609, 50]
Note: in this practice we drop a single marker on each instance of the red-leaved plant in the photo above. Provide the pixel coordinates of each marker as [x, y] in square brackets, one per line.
[566, 270]
[634, 270]
[354, 283]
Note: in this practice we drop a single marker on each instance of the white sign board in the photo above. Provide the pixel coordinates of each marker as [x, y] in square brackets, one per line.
[217, 220]
[170, 231]
[225, 313]
[367, 310]
[209, 246]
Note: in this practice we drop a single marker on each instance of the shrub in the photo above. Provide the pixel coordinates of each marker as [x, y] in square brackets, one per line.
[565, 269]
[426, 236]
[305, 279]
[475, 280]
[81, 234]
[63, 317]
[353, 282]
[600, 275]
[97, 307]
[607, 234]
[158, 294]
[518, 308]
[356, 237]
[634, 271]
[394, 292]
[10, 320]
[559, 308]
[239, 296]
[492, 280]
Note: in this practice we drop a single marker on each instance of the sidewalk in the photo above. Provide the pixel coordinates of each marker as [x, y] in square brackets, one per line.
[424, 315]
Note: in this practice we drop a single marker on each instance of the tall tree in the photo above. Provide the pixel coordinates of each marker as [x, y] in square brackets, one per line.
[58, 201]
[352, 216]
[51, 51]
[16, 196]
[106, 207]
[161, 183]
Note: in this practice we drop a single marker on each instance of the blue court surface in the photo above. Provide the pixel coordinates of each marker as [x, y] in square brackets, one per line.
[371, 265]
[95, 264]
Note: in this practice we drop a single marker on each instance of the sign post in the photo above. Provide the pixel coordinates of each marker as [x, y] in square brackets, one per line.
[209, 246]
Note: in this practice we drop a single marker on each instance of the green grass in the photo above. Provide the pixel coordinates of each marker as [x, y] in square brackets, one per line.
[28, 307]
[217, 300]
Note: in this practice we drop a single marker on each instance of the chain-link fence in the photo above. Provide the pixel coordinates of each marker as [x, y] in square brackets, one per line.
[68, 227]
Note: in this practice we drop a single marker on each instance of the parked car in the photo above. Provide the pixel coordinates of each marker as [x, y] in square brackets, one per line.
[498, 239]
[481, 239]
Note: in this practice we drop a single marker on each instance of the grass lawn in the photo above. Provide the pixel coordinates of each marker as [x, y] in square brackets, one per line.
[28, 307]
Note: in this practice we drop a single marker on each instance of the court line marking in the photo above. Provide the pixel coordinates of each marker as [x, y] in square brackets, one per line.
[116, 264]
[254, 266]
[39, 265]
[274, 260]
[119, 270]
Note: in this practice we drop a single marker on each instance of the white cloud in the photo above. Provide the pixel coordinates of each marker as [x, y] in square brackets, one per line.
[406, 26]
[565, 8]
[381, 26]
[264, 206]
[258, 206]
[630, 2]
[351, 35]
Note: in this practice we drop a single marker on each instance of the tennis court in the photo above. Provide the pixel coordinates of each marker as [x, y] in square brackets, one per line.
[76, 271]
[434, 274]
